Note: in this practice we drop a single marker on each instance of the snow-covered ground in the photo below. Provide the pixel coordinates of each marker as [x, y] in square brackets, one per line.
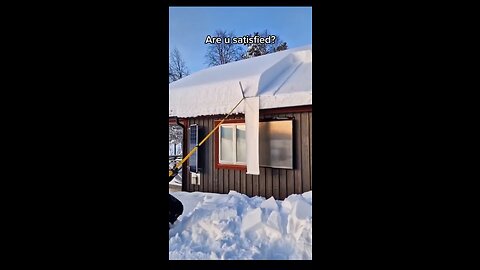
[234, 226]
[176, 183]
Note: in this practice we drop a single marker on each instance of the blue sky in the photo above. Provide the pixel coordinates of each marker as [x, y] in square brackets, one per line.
[188, 27]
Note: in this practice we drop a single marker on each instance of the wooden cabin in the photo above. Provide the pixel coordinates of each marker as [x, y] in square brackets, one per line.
[282, 82]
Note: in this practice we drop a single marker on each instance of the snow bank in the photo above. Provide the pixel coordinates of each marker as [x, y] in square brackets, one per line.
[233, 226]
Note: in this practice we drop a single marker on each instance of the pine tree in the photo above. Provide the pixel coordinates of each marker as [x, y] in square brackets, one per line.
[258, 49]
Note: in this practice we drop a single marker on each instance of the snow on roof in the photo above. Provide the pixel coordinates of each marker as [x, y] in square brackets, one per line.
[281, 79]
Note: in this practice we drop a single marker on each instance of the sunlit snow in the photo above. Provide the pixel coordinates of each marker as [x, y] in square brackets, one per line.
[234, 226]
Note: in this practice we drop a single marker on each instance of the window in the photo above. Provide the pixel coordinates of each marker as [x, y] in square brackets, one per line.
[275, 144]
[232, 144]
[193, 162]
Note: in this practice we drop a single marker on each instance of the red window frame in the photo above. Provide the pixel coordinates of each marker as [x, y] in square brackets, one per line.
[218, 165]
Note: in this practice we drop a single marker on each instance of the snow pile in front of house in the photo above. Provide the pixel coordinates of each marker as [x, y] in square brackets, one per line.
[280, 79]
[233, 226]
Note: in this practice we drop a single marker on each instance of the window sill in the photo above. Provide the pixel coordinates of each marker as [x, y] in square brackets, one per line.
[230, 167]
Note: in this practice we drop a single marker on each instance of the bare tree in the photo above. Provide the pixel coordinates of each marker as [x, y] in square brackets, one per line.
[175, 134]
[177, 68]
[222, 53]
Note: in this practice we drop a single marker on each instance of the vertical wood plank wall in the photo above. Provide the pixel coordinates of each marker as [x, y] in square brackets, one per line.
[279, 183]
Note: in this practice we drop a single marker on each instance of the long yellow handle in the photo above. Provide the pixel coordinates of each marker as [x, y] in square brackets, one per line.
[208, 135]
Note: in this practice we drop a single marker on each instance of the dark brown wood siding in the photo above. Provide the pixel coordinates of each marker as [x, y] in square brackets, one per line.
[279, 183]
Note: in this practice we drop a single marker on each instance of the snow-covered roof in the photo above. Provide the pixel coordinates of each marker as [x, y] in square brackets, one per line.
[281, 79]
